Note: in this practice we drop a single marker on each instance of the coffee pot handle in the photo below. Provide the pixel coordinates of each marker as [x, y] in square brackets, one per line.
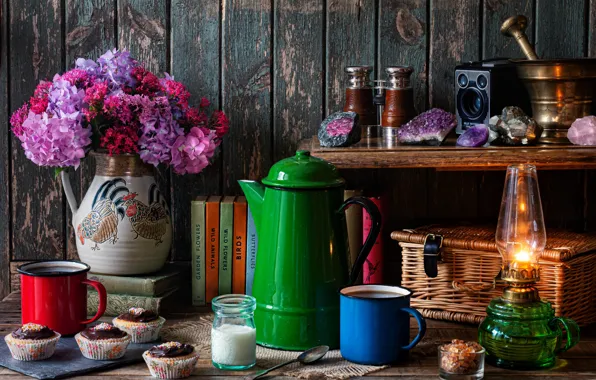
[375, 216]
[571, 332]
[103, 300]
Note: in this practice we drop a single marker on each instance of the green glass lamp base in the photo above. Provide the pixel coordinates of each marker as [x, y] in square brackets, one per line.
[520, 365]
[520, 335]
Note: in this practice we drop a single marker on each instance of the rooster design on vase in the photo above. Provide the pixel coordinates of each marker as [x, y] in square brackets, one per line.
[148, 221]
[101, 224]
[123, 224]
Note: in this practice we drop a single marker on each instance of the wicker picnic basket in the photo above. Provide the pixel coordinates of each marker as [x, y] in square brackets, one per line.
[469, 266]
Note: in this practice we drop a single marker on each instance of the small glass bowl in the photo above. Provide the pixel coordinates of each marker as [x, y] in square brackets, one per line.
[460, 365]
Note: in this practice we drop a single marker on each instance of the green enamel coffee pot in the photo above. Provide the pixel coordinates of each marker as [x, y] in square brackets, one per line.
[303, 253]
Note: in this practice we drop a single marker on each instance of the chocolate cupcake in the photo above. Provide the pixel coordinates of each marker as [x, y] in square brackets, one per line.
[171, 360]
[103, 342]
[32, 342]
[142, 325]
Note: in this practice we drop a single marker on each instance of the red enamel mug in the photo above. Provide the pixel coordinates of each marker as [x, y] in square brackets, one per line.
[54, 294]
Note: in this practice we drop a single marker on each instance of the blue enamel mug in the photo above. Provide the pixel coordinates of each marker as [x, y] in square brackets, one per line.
[375, 324]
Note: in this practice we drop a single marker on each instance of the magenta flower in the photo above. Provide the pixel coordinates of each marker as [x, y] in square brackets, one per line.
[18, 118]
[191, 153]
[118, 108]
[204, 103]
[220, 123]
[94, 98]
[39, 100]
[77, 77]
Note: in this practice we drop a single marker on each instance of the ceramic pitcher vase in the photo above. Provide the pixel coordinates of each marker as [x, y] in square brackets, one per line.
[123, 225]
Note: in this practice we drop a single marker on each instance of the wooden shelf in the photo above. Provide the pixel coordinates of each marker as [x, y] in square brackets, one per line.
[372, 153]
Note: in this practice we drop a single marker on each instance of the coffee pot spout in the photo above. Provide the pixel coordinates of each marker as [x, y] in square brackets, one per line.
[255, 196]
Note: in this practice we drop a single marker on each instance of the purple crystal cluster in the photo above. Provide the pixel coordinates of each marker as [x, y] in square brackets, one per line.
[430, 128]
[583, 131]
[474, 136]
[340, 129]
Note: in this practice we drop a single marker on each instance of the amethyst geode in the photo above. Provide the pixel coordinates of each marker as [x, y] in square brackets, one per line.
[340, 129]
[430, 128]
[474, 136]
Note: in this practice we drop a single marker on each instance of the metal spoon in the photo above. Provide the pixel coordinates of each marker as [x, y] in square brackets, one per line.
[307, 357]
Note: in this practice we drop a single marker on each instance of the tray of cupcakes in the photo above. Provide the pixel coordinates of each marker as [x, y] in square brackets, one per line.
[38, 351]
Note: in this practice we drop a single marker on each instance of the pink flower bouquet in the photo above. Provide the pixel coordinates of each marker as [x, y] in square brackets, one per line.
[117, 105]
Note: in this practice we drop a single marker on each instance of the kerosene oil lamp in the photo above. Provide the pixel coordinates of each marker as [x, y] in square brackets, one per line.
[521, 330]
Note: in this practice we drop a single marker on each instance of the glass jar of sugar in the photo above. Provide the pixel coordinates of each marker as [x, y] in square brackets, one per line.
[233, 335]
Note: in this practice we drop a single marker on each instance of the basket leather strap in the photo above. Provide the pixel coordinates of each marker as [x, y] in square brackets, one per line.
[432, 250]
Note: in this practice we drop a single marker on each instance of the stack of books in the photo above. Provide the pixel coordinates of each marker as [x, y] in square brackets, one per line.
[224, 247]
[147, 291]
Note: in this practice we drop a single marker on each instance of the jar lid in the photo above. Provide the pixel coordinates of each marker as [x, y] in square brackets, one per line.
[358, 69]
[303, 172]
[399, 76]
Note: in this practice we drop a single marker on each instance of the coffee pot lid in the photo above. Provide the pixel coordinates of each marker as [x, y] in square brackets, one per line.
[303, 171]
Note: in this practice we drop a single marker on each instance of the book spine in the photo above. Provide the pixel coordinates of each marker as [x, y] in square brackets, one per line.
[372, 272]
[226, 229]
[354, 224]
[198, 252]
[212, 270]
[120, 303]
[239, 265]
[251, 251]
[126, 285]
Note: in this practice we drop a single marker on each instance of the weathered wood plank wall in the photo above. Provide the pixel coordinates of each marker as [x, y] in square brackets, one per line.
[276, 68]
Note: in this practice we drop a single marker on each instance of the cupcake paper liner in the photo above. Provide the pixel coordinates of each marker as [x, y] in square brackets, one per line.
[28, 350]
[141, 332]
[171, 368]
[102, 349]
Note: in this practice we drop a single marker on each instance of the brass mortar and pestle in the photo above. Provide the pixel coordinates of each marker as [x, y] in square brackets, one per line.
[561, 90]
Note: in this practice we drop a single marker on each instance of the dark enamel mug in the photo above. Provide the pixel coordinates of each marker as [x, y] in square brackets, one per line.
[375, 324]
[54, 294]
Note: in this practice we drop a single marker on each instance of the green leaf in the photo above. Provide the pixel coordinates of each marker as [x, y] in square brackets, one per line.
[57, 171]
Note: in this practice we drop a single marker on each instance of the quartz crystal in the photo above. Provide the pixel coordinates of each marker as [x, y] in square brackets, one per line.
[583, 131]
[340, 129]
[430, 128]
[474, 136]
[515, 128]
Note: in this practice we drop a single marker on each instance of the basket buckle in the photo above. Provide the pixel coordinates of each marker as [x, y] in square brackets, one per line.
[432, 253]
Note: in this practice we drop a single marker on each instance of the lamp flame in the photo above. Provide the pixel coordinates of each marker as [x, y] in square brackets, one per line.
[523, 256]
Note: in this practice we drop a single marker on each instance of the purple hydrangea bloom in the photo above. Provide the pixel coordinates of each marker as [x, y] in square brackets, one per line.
[117, 67]
[114, 66]
[89, 65]
[191, 153]
[59, 140]
[158, 130]
[65, 97]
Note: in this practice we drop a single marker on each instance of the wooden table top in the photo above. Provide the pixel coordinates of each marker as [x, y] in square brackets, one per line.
[577, 363]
